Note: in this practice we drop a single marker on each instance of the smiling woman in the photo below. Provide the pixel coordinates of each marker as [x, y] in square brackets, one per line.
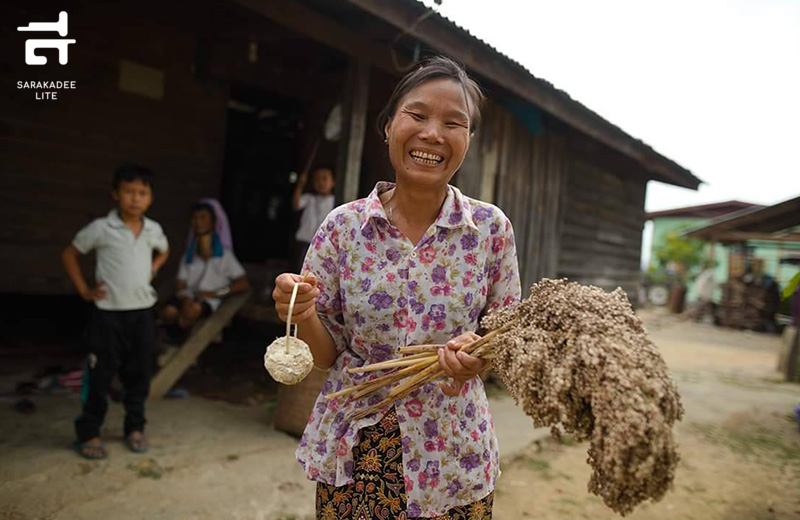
[416, 262]
[427, 124]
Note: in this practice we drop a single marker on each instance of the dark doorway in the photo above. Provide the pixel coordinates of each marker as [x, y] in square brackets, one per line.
[261, 147]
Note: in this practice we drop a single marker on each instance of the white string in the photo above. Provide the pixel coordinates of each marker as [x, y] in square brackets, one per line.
[289, 316]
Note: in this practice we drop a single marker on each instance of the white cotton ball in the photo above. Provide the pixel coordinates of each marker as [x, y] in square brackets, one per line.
[288, 365]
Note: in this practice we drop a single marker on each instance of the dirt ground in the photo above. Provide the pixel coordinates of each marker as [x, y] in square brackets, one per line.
[739, 444]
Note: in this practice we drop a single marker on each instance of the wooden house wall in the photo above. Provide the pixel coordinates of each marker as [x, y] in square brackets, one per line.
[57, 157]
[576, 214]
[375, 164]
[523, 174]
[601, 234]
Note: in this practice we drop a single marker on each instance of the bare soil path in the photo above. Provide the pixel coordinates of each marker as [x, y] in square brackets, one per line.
[212, 460]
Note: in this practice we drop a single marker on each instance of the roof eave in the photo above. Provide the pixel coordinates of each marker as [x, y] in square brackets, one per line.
[688, 211]
[748, 217]
[482, 59]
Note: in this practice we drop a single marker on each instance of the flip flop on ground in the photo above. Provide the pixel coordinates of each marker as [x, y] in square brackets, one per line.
[92, 449]
[137, 442]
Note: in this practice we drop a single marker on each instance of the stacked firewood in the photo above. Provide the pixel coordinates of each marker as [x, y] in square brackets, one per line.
[750, 306]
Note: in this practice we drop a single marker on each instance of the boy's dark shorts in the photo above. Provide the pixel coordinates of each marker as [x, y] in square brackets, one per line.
[205, 308]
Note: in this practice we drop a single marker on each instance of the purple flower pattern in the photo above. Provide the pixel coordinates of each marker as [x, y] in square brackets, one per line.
[469, 242]
[376, 294]
[470, 462]
[431, 428]
[380, 300]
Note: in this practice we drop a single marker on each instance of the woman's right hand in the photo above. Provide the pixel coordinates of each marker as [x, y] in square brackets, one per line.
[305, 302]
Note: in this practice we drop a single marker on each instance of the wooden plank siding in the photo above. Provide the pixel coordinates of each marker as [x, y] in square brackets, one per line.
[57, 157]
[575, 215]
[601, 234]
[524, 175]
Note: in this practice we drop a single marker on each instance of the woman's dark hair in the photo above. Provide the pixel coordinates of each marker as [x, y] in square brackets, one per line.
[205, 206]
[129, 172]
[438, 67]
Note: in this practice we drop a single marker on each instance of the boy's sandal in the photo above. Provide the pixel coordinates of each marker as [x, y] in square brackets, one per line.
[90, 451]
[137, 444]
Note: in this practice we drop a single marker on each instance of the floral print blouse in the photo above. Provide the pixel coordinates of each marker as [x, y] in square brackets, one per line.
[378, 291]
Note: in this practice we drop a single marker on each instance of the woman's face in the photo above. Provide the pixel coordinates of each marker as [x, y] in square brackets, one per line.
[201, 222]
[429, 133]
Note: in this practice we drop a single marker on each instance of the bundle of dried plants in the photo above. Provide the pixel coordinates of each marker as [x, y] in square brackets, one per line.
[576, 359]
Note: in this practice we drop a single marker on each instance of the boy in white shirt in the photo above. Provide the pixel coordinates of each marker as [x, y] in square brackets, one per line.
[121, 335]
[315, 207]
[208, 273]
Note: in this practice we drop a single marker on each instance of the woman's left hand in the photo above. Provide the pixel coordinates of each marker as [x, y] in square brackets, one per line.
[460, 366]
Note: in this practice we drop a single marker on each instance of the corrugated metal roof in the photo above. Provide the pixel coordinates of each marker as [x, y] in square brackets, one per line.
[508, 58]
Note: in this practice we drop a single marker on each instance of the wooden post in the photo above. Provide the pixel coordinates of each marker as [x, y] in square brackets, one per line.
[351, 146]
[792, 358]
[491, 137]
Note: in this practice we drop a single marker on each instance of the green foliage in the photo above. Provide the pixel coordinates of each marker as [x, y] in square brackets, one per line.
[791, 287]
[686, 252]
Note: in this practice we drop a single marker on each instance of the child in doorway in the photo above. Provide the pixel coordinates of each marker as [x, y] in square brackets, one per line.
[315, 206]
[121, 335]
